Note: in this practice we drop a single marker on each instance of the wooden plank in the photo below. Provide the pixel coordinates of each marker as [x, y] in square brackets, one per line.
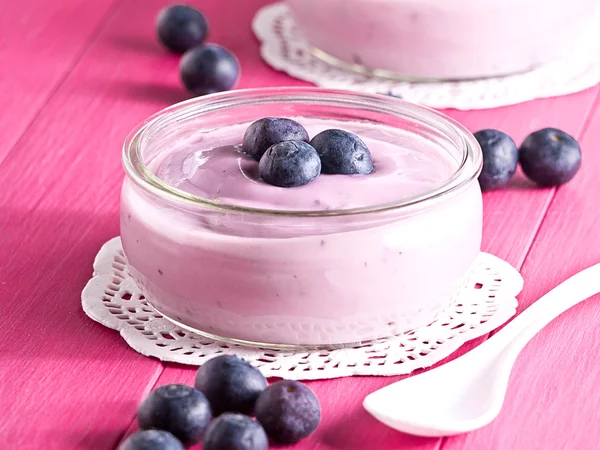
[36, 54]
[71, 383]
[553, 400]
[77, 383]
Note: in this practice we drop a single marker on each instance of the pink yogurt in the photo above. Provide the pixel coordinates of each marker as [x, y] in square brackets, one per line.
[309, 279]
[211, 165]
[445, 39]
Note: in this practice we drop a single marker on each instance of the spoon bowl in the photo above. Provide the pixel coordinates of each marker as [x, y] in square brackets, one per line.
[455, 400]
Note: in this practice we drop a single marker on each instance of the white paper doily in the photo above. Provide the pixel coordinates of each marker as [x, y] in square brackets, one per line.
[487, 300]
[286, 49]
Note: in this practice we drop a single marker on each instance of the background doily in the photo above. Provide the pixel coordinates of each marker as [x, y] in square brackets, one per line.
[486, 301]
[286, 49]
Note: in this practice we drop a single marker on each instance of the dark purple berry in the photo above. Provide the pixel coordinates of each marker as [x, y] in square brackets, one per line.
[152, 440]
[209, 69]
[342, 152]
[230, 384]
[181, 27]
[269, 131]
[550, 157]
[181, 410]
[235, 432]
[288, 411]
[290, 164]
[500, 159]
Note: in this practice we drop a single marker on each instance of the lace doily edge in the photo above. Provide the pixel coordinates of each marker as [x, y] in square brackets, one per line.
[260, 27]
[97, 312]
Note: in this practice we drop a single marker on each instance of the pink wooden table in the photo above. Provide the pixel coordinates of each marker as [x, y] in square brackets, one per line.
[75, 77]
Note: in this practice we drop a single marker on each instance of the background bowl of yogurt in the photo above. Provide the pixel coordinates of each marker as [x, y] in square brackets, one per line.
[443, 39]
[344, 259]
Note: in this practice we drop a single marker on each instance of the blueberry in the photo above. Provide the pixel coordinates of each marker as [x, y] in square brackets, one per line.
[209, 69]
[500, 159]
[235, 432]
[178, 409]
[550, 157]
[269, 131]
[288, 411]
[342, 152]
[290, 164]
[181, 27]
[152, 440]
[230, 384]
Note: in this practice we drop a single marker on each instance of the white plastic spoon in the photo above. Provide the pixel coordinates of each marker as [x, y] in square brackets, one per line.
[467, 393]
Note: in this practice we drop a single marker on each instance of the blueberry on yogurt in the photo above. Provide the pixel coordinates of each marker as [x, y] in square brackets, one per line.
[269, 131]
[550, 157]
[342, 152]
[290, 164]
[500, 158]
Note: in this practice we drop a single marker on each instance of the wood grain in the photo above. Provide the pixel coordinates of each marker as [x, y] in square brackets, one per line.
[553, 400]
[40, 42]
[71, 383]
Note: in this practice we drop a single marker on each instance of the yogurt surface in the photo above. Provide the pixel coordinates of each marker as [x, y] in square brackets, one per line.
[210, 165]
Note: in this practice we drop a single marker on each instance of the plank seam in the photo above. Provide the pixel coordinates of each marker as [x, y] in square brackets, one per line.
[149, 387]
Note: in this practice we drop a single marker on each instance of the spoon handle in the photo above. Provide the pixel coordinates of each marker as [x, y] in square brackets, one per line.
[564, 296]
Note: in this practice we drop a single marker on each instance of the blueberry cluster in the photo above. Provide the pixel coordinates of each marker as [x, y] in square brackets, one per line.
[548, 157]
[204, 68]
[175, 416]
[287, 157]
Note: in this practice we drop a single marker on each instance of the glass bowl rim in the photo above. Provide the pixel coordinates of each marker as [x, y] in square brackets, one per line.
[467, 172]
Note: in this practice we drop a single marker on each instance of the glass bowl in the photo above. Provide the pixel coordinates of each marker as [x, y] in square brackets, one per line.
[291, 278]
[442, 39]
